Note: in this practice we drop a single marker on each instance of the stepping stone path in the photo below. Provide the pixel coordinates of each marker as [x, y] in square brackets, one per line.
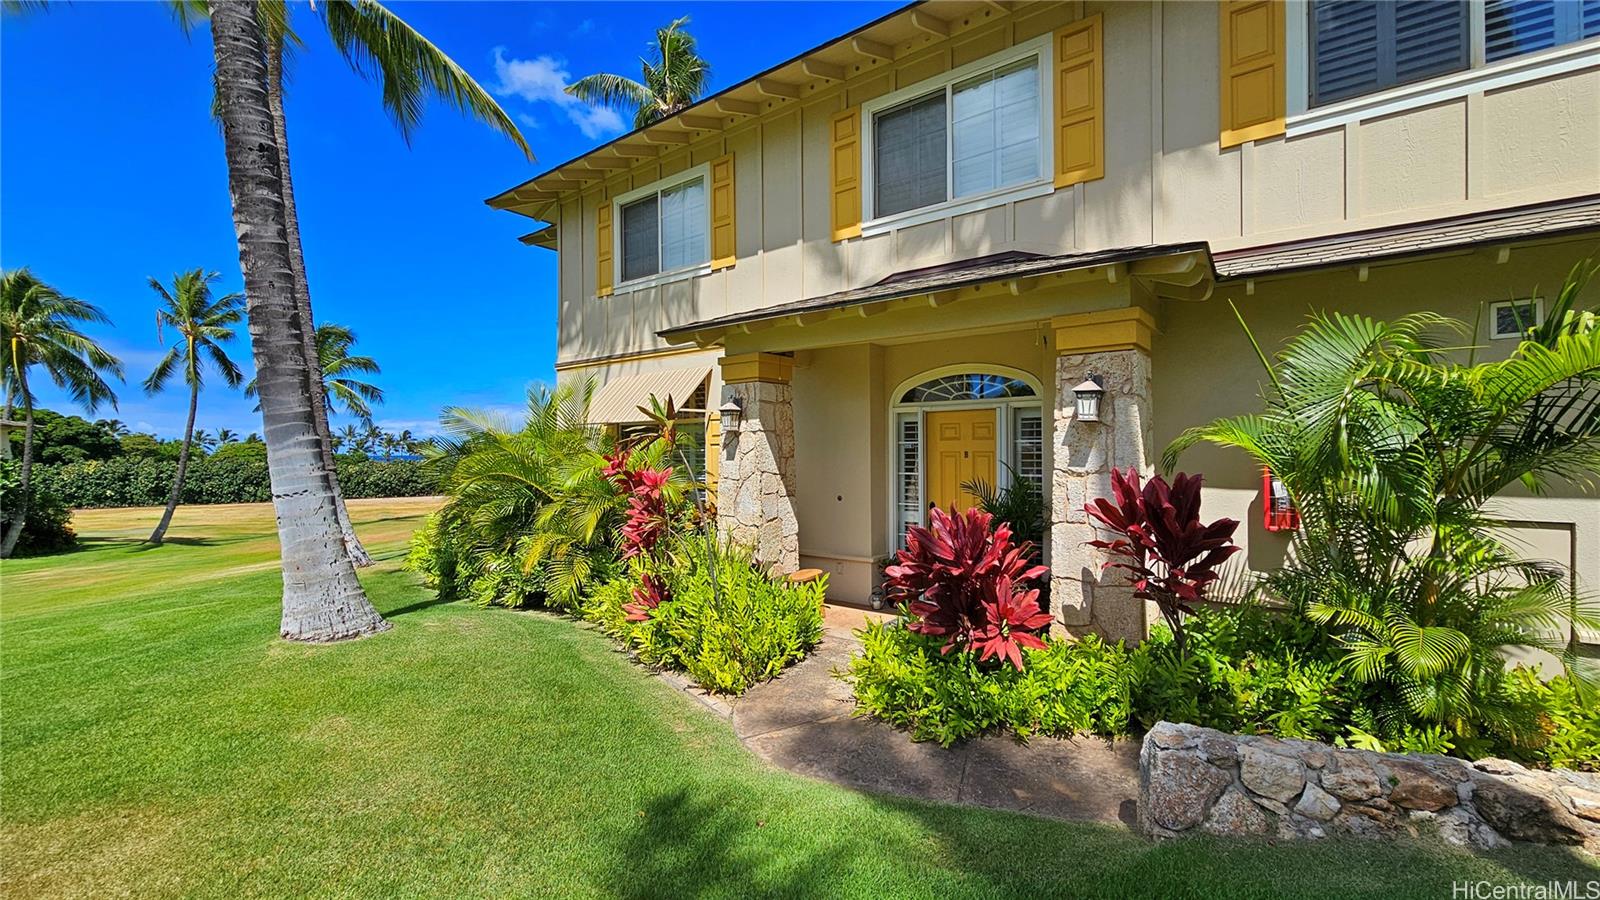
[802, 722]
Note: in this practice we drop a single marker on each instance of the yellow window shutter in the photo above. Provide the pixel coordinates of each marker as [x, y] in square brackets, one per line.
[713, 451]
[1080, 102]
[603, 269]
[724, 251]
[846, 187]
[1253, 75]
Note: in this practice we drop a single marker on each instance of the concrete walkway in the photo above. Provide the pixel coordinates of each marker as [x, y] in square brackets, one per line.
[802, 722]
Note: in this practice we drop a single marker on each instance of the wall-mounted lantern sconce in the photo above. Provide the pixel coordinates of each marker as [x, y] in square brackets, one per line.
[732, 414]
[1088, 396]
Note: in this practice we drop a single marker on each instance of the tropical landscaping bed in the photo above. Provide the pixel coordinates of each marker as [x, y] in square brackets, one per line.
[156, 744]
[557, 514]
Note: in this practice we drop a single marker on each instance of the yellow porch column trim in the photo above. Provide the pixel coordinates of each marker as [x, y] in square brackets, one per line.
[743, 368]
[1128, 328]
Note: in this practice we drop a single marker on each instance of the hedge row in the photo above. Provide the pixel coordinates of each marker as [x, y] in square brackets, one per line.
[142, 481]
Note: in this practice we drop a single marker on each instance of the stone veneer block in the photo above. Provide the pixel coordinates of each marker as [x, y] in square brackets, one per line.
[756, 486]
[1197, 779]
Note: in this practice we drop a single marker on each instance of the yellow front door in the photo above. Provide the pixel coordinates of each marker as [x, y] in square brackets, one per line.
[961, 447]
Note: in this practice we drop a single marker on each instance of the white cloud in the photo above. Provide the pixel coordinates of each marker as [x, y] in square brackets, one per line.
[544, 79]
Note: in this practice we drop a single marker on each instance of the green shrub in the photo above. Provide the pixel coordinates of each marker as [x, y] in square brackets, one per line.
[48, 526]
[1569, 720]
[1064, 689]
[1247, 670]
[726, 623]
[230, 478]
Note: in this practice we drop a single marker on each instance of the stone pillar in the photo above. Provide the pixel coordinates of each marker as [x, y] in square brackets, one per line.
[755, 488]
[1114, 345]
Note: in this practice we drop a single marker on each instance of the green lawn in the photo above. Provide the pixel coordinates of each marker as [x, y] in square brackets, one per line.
[157, 739]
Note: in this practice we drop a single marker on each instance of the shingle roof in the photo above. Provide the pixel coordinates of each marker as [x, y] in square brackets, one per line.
[1498, 226]
[915, 282]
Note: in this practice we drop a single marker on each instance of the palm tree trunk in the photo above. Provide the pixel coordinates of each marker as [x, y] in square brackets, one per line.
[322, 598]
[19, 512]
[183, 465]
[302, 302]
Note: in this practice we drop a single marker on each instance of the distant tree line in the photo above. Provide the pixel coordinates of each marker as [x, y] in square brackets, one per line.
[102, 463]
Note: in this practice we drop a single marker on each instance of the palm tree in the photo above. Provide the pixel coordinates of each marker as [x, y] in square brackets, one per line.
[39, 326]
[371, 437]
[674, 81]
[114, 427]
[341, 388]
[340, 370]
[226, 436]
[203, 324]
[323, 601]
[350, 437]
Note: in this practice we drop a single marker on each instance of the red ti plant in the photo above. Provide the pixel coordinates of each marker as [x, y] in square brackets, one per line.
[1170, 557]
[646, 597]
[646, 523]
[967, 583]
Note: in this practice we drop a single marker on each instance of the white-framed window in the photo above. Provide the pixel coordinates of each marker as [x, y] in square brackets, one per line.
[663, 230]
[974, 137]
[1513, 318]
[1357, 59]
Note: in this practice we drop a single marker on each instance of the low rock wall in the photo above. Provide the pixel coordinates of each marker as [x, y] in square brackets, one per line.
[1197, 779]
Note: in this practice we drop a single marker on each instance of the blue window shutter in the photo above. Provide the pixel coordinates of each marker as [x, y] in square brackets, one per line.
[1430, 38]
[1361, 46]
[1591, 18]
[1345, 57]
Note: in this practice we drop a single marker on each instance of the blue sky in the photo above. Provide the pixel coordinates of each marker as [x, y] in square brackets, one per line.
[112, 171]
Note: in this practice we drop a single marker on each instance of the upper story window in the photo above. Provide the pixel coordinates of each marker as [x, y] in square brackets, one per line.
[975, 132]
[664, 227]
[1360, 47]
[1514, 27]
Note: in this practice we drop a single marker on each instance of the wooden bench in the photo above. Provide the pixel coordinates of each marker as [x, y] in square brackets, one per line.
[806, 576]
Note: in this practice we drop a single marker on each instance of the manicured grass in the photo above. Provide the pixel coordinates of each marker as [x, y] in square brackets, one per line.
[158, 739]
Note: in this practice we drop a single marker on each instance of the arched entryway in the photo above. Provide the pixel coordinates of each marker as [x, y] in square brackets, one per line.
[955, 425]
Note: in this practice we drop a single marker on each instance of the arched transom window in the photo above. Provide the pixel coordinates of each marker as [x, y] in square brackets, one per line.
[967, 386]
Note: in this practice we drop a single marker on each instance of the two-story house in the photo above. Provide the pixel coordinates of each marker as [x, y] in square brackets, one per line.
[880, 269]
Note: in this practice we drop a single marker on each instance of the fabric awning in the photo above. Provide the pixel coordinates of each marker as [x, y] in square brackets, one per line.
[619, 399]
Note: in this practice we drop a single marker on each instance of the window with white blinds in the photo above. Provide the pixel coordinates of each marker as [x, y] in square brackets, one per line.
[908, 474]
[965, 138]
[910, 145]
[1514, 27]
[666, 230]
[995, 129]
[1027, 446]
[1361, 46]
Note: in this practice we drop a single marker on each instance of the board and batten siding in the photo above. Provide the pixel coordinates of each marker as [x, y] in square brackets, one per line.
[1167, 176]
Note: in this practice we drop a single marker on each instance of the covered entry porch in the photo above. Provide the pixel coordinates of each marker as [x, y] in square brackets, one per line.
[845, 418]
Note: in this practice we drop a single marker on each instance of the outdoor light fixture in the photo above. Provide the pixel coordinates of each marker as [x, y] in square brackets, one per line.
[732, 414]
[1088, 395]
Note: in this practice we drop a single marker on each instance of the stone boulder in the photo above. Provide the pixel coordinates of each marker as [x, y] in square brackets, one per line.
[1194, 779]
